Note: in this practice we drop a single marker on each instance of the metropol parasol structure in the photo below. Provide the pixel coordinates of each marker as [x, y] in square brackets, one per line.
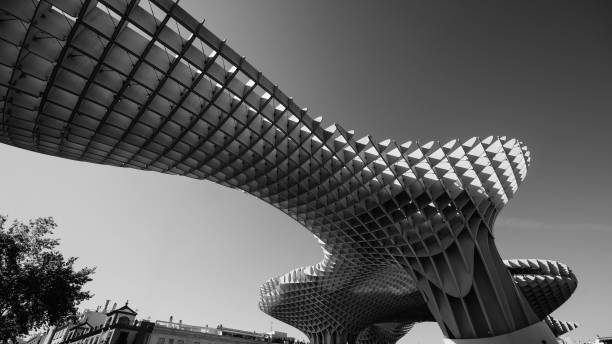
[406, 229]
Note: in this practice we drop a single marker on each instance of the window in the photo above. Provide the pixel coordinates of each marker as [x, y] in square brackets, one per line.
[123, 338]
[171, 341]
[161, 340]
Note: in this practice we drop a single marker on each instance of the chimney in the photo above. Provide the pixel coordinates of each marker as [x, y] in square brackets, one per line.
[114, 306]
[98, 309]
[106, 306]
[171, 318]
[181, 322]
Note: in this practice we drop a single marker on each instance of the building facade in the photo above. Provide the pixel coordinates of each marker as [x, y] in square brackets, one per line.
[179, 333]
[121, 326]
[117, 326]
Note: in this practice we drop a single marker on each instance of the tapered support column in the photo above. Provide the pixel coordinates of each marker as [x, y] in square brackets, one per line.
[328, 337]
[469, 290]
[538, 333]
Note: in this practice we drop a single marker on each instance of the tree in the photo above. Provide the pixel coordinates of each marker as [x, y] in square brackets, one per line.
[38, 285]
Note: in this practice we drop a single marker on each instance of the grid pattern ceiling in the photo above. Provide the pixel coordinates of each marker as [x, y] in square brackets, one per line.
[142, 84]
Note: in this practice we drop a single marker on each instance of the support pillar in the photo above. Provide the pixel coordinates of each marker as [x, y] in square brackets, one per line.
[538, 333]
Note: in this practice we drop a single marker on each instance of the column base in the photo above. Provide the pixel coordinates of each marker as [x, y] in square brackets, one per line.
[538, 333]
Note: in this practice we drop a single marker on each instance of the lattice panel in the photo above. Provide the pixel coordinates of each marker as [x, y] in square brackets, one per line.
[560, 327]
[142, 84]
[303, 297]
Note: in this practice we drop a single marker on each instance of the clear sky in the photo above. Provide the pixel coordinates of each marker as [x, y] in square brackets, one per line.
[540, 71]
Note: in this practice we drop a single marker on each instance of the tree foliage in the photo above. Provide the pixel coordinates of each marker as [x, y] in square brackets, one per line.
[38, 285]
